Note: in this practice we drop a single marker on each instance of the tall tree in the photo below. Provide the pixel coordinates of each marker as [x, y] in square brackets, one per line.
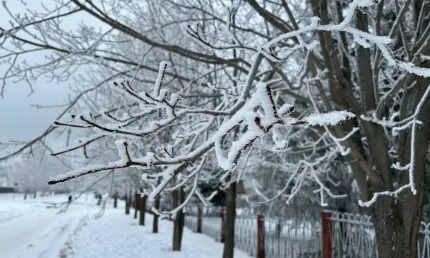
[370, 58]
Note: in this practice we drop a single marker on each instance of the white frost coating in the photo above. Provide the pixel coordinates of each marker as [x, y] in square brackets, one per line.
[188, 199]
[269, 117]
[411, 165]
[168, 174]
[413, 140]
[147, 159]
[173, 99]
[400, 167]
[331, 118]
[202, 198]
[84, 170]
[376, 195]
[260, 97]
[343, 151]
[190, 33]
[258, 192]
[364, 43]
[163, 94]
[161, 69]
[285, 109]
[363, 38]
[122, 151]
[238, 146]
[193, 173]
[346, 137]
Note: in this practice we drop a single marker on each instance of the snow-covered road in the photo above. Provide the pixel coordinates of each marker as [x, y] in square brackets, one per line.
[29, 229]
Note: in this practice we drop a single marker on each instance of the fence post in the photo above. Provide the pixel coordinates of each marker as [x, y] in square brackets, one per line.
[326, 234]
[199, 219]
[260, 237]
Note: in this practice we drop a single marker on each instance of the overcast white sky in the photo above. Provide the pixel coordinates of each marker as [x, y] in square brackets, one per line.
[18, 119]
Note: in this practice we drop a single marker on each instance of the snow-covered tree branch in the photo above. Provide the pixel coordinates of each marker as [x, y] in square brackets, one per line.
[220, 91]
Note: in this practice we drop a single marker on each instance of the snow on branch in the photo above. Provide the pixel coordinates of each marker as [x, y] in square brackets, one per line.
[364, 39]
[258, 113]
[332, 118]
[411, 166]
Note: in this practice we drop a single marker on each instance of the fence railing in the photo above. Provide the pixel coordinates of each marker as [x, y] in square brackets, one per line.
[281, 238]
[292, 238]
[336, 235]
[353, 236]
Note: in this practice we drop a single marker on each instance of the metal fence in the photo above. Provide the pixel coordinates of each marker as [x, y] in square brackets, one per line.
[424, 241]
[353, 236]
[282, 238]
[246, 234]
[292, 238]
[191, 222]
[350, 235]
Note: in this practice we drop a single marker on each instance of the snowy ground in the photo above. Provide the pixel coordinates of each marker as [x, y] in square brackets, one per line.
[29, 230]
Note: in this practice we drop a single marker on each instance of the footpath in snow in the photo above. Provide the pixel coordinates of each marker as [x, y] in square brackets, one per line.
[118, 235]
[30, 230]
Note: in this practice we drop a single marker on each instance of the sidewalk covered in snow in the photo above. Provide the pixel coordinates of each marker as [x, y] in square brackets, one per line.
[32, 230]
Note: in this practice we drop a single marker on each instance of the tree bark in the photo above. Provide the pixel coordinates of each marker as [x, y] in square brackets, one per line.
[115, 200]
[136, 204]
[397, 220]
[177, 199]
[142, 212]
[127, 205]
[230, 216]
[155, 222]
[199, 219]
[396, 235]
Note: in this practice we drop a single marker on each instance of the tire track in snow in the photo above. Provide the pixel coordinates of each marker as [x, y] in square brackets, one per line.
[5, 217]
[41, 233]
[56, 235]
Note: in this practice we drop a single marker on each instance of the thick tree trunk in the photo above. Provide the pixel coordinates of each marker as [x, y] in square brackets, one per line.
[155, 222]
[230, 217]
[397, 220]
[177, 199]
[396, 229]
[142, 212]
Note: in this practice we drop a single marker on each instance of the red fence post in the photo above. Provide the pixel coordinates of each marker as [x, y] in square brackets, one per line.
[326, 231]
[199, 219]
[260, 237]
